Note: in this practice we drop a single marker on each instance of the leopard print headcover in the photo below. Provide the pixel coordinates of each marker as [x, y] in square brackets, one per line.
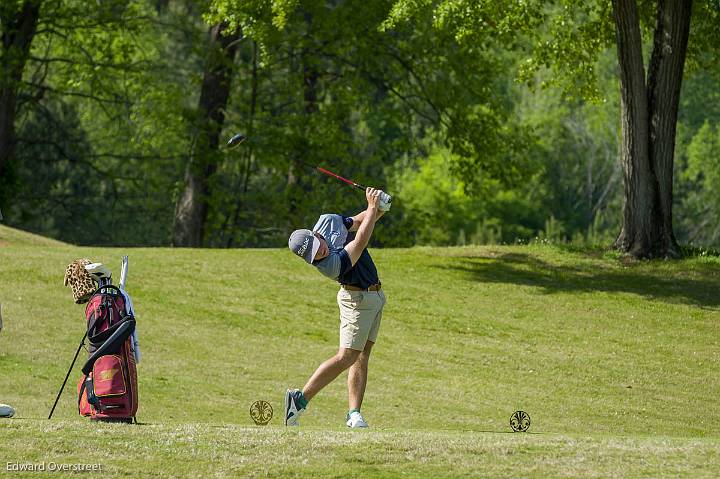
[77, 277]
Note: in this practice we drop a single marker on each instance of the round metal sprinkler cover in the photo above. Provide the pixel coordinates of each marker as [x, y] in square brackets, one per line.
[520, 421]
[261, 412]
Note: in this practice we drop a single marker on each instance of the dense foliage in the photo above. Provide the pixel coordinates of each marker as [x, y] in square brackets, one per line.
[480, 120]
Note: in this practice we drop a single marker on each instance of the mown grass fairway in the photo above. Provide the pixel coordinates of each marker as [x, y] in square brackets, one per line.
[616, 363]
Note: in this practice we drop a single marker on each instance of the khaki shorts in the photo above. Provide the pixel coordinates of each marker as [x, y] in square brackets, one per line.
[360, 315]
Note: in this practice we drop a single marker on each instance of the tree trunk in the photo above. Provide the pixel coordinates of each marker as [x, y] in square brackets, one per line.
[18, 30]
[161, 5]
[297, 182]
[648, 119]
[248, 153]
[664, 80]
[192, 207]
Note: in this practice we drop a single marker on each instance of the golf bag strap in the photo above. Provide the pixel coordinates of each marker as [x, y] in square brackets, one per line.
[99, 339]
[113, 344]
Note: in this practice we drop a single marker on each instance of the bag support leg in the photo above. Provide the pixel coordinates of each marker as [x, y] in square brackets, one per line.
[82, 343]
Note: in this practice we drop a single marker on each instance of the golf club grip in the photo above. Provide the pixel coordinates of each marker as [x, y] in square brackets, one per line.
[349, 182]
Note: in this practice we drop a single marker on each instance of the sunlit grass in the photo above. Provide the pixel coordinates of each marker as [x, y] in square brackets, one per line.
[615, 361]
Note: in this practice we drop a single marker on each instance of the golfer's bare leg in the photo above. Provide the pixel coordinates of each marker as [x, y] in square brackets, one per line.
[357, 377]
[329, 370]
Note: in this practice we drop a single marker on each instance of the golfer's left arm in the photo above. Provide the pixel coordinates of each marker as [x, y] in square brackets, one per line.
[358, 219]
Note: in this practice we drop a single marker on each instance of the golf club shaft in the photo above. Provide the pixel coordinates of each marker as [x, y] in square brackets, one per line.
[349, 182]
[239, 138]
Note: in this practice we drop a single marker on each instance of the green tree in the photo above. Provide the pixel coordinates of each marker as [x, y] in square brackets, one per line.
[702, 201]
[575, 145]
[93, 95]
[18, 25]
[336, 86]
[436, 209]
[570, 39]
[192, 206]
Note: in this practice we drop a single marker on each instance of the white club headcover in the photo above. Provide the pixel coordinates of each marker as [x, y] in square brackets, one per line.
[98, 271]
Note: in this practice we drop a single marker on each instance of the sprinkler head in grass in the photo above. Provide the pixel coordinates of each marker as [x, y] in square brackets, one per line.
[520, 421]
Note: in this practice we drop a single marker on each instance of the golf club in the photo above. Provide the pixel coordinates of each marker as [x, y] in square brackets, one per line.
[239, 138]
[349, 182]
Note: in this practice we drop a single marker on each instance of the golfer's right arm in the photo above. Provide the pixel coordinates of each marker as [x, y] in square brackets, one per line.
[356, 246]
[360, 217]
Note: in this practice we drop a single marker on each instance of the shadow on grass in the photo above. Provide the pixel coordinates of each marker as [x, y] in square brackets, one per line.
[642, 279]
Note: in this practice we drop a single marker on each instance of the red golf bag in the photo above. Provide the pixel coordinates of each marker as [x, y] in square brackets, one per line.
[108, 391]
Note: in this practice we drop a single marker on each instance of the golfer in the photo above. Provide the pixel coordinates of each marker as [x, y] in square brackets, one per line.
[360, 299]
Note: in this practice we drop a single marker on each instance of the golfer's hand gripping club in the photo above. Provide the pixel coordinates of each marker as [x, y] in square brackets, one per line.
[372, 196]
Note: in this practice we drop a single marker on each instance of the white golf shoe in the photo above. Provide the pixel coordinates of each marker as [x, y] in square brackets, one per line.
[6, 411]
[355, 420]
[292, 407]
